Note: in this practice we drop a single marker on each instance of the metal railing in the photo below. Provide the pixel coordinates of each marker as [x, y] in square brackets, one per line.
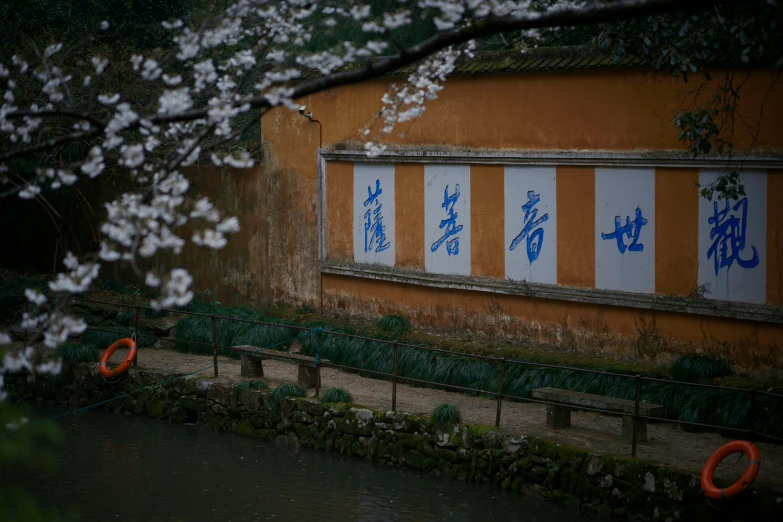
[499, 396]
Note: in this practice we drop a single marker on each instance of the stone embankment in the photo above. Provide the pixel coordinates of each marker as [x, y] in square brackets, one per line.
[611, 486]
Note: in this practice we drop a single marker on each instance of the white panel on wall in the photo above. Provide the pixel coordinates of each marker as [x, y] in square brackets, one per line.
[447, 219]
[733, 241]
[373, 214]
[625, 229]
[531, 224]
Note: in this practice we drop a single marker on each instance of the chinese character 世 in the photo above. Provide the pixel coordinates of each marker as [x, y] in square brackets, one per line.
[632, 229]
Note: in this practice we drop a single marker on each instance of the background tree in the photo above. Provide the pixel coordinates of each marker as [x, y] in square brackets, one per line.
[78, 113]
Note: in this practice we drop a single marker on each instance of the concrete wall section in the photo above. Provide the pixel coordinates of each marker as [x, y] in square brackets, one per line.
[733, 241]
[530, 201]
[447, 219]
[625, 229]
[374, 214]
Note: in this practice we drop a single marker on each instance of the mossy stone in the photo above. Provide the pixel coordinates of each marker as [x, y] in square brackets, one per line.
[407, 440]
[506, 484]
[156, 408]
[245, 428]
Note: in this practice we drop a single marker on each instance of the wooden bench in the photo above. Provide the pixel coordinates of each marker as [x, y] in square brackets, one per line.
[252, 365]
[559, 416]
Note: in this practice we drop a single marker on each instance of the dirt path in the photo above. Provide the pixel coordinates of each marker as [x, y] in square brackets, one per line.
[594, 432]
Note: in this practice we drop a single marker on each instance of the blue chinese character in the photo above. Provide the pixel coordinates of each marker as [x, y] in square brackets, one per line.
[374, 230]
[729, 234]
[535, 238]
[632, 229]
[450, 223]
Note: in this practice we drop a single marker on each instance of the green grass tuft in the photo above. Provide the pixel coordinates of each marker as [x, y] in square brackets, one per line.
[337, 395]
[445, 415]
[126, 318]
[696, 367]
[286, 390]
[75, 354]
[247, 385]
[394, 324]
[150, 313]
[107, 335]
[191, 329]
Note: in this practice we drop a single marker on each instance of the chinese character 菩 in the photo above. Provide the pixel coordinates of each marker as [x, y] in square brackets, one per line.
[450, 223]
[533, 236]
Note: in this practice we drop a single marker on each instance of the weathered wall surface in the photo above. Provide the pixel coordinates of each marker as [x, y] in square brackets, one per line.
[616, 110]
[235, 273]
[607, 485]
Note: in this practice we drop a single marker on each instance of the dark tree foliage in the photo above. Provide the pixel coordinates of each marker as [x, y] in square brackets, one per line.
[722, 38]
[132, 22]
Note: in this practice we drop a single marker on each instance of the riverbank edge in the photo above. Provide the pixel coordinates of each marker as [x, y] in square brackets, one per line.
[613, 486]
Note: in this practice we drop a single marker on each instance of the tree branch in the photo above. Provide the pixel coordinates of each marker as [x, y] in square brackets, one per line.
[57, 112]
[594, 14]
[54, 142]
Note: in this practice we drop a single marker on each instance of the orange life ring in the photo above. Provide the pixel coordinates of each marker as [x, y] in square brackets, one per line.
[742, 484]
[123, 367]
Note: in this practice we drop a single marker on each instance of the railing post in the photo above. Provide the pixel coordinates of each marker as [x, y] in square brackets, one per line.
[394, 380]
[214, 344]
[136, 335]
[500, 394]
[753, 414]
[636, 414]
[318, 364]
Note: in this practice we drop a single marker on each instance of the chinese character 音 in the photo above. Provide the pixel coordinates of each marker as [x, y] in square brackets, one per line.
[632, 229]
[374, 230]
[728, 231]
[535, 238]
[450, 223]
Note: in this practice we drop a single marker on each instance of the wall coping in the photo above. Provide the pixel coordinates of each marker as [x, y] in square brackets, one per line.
[652, 302]
[539, 157]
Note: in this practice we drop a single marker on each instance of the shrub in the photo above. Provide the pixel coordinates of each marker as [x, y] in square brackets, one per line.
[193, 329]
[126, 318]
[394, 324]
[282, 392]
[107, 335]
[445, 415]
[244, 386]
[74, 354]
[695, 367]
[337, 395]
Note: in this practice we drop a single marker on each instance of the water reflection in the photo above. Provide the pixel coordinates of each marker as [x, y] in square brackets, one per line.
[137, 469]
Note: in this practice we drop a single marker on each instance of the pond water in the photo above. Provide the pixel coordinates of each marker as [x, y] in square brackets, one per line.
[127, 468]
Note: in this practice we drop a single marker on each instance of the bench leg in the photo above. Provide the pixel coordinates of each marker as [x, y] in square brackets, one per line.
[308, 377]
[641, 429]
[252, 367]
[558, 417]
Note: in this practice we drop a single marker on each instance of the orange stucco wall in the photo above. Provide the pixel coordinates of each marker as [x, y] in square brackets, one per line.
[409, 194]
[601, 110]
[486, 218]
[676, 226]
[576, 252]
